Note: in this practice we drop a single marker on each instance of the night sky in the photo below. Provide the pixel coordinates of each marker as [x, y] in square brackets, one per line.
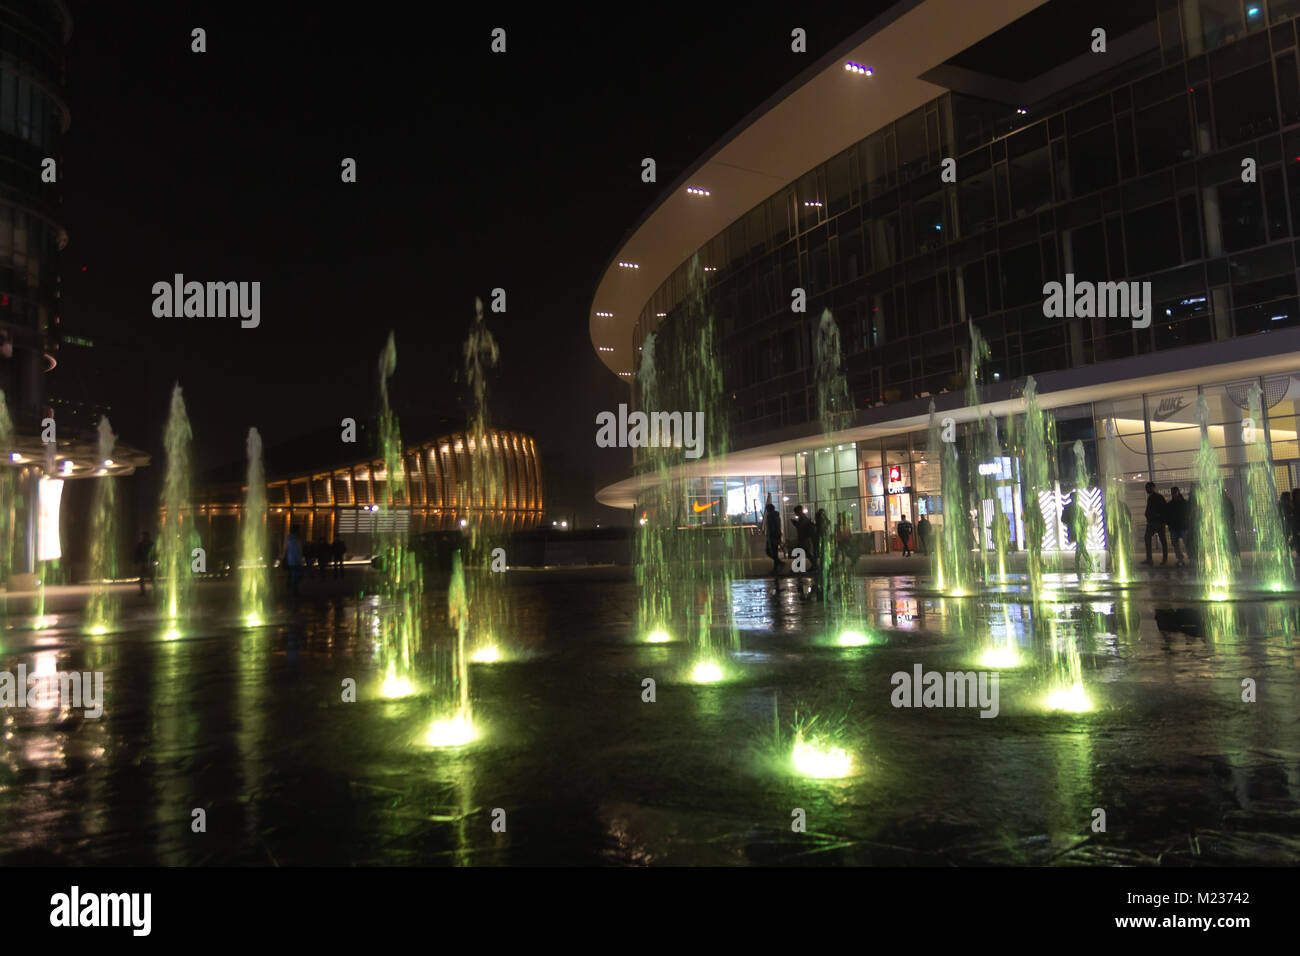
[475, 170]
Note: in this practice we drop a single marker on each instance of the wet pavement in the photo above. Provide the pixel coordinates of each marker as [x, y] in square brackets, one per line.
[249, 725]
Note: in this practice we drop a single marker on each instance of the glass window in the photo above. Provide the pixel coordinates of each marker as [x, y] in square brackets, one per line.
[1220, 22]
[975, 203]
[1164, 134]
[1288, 85]
[1031, 182]
[1244, 105]
[1241, 215]
[1092, 160]
[1265, 305]
[1152, 238]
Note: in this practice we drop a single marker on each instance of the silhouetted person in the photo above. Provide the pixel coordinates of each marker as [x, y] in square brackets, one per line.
[905, 536]
[1230, 525]
[1076, 526]
[1155, 516]
[923, 534]
[772, 532]
[822, 542]
[322, 556]
[1176, 518]
[294, 561]
[144, 559]
[340, 551]
[844, 553]
[1295, 519]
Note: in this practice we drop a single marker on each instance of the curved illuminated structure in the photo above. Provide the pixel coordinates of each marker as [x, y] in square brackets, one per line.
[344, 499]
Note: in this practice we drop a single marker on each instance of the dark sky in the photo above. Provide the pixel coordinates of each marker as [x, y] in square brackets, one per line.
[475, 171]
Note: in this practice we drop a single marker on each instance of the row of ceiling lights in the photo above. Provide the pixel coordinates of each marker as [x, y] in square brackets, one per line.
[852, 67]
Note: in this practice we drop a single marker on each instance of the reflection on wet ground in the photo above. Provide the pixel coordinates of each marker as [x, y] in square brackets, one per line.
[249, 725]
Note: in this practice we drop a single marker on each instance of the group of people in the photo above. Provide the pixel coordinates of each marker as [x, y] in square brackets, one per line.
[811, 535]
[298, 558]
[1179, 516]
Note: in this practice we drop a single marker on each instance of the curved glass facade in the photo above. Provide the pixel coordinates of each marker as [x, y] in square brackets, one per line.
[1135, 174]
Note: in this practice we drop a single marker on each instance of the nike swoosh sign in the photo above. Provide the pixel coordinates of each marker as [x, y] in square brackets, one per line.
[699, 508]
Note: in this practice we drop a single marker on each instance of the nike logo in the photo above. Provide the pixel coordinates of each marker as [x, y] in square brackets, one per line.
[1168, 408]
[699, 508]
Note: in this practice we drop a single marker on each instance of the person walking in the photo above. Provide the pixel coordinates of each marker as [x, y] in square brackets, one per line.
[772, 531]
[293, 562]
[340, 551]
[1155, 516]
[923, 534]
[1176, 519]
[905, 536]
[144, 559]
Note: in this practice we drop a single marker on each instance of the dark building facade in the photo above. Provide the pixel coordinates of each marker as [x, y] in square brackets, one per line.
[33, 118]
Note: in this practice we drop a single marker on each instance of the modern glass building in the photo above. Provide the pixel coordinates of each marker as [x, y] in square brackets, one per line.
[1172, 158]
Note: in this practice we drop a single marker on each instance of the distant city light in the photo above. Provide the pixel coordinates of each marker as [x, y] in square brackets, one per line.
[605, 348]
[710, 268]
[697, 191]
[857, 68]
[812, 203]
[605, 315]
[629, 265]
[661, 315]
[1022, 111]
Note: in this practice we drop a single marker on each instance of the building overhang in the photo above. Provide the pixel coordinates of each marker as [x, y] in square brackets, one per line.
[1271, 353]
[823, 111]
[72, 459]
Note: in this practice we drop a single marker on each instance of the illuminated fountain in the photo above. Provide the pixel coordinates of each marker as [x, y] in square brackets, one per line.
[1065, 687]
[1039, 436]
[844, 613]
[176, 540]
[1084, 520]
[1272, 567]
[254, 583]
[453, 724]
[488, 609]
[816, 752]
[685, 575]
[953, 554]
[401, 587]
[1213, 555]
[101, 609]
[654, 531]
[1119, 530]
